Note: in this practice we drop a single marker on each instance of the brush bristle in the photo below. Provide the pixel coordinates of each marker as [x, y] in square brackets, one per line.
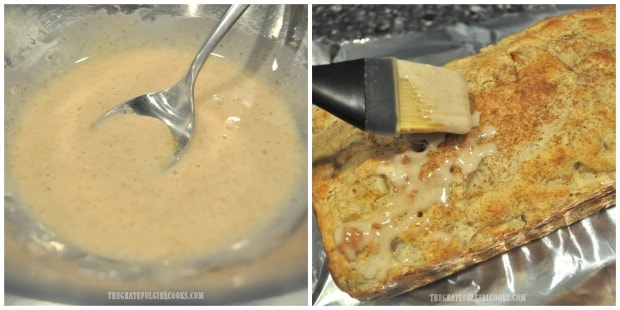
[413, 114]
[432, 99]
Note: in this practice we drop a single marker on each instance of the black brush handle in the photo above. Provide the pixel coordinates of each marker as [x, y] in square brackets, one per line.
[360, 92]
[340, 89]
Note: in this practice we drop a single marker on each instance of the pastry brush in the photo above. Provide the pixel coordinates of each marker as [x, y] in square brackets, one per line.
[390, 96]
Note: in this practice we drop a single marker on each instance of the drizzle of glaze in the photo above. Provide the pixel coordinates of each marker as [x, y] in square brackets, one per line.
[423, 188]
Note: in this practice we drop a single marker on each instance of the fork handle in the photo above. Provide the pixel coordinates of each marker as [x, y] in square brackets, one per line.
[226, 22]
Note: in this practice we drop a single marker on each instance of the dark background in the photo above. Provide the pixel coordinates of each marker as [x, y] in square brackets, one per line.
[341, 23]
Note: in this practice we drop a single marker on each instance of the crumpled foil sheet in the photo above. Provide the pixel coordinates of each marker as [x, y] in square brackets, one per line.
[572, 266]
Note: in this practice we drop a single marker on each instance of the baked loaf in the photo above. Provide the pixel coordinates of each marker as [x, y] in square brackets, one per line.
[396, 213]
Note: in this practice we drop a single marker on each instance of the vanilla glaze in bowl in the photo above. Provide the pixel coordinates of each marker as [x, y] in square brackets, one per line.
[212, 223]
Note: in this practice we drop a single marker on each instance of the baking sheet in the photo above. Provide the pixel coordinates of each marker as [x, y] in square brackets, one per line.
[572, 266]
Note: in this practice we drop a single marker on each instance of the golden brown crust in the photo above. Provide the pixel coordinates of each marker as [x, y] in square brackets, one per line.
[550, 93]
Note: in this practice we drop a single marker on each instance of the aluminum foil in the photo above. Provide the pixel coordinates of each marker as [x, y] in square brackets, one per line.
[572, 266]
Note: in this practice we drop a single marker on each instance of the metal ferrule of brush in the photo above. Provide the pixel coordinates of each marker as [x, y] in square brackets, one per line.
[360, 92]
